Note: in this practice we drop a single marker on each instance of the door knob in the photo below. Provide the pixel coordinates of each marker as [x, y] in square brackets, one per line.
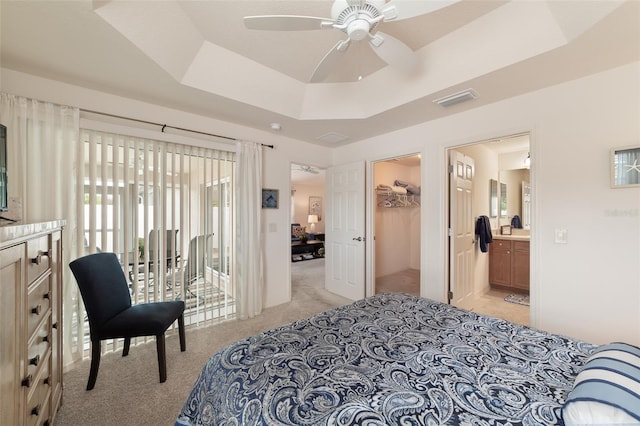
[358, 239]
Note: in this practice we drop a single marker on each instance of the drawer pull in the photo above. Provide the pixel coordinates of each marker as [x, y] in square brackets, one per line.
[36, 310]
[35, 411]
[47, 295]
[55, 325]
[26, 382]
[35, 360]
[38, 258]
[46, 380]
[45, 338]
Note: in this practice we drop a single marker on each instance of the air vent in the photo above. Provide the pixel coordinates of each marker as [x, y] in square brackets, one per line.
[332, 137]
[456, 98]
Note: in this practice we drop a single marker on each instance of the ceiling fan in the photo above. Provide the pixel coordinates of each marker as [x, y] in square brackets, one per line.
[358, 19]
[308, 169]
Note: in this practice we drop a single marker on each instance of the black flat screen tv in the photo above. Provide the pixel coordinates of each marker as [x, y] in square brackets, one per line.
[4, 201]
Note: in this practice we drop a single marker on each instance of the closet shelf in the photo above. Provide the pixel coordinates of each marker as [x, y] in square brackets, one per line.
[388, 199]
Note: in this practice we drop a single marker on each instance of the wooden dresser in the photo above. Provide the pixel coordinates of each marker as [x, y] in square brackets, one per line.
[30, 323]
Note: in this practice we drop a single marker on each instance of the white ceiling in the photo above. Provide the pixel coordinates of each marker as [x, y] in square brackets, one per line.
[197, 56]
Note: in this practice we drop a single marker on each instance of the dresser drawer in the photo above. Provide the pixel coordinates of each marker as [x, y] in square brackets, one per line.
[38, 410]
[38, 304]
[38, 260]
[39, 348]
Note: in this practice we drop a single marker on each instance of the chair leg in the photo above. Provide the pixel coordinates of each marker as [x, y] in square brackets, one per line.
[162, 357]
[127, 345]
[95, 364]
[183, 341]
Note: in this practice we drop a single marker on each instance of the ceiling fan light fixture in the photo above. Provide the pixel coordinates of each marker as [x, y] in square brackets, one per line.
[456, 98]
[358, 30]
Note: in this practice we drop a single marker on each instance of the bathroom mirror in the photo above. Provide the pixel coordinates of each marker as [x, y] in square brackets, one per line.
[493, 198]
[515, 195]
[526, 205]
[503, 200]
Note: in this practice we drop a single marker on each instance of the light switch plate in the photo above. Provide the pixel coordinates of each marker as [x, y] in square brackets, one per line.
[561, 236]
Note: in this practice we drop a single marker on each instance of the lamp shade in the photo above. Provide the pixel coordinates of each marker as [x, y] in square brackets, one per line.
[312, 218]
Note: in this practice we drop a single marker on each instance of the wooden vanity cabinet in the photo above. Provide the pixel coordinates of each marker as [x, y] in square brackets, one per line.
[509, 263]
[30, 323]
[520, 265]
[500, 262]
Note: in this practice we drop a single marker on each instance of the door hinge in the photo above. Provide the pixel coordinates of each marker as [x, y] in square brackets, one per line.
[450, 296]
[450, 232]
[450, 168]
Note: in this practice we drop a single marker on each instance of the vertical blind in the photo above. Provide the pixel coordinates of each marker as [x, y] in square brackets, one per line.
[167, 211]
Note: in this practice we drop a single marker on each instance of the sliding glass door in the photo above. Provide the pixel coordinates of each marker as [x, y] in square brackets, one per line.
[166, 211]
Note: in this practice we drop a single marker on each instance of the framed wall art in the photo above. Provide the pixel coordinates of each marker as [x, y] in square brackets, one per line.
[625, 167]
[315, 206]
[269, 198]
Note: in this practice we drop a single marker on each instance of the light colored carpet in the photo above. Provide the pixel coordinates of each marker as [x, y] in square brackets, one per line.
[127, 391]
[407, 281]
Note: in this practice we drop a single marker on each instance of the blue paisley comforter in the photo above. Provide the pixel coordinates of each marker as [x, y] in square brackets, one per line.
[390, 359]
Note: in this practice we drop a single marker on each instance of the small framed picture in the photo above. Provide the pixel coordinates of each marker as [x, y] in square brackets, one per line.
[505, 230]
[315, 206]
[625, 167]
[269, 198]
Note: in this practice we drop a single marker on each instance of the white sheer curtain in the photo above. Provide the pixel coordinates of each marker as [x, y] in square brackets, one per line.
[248, 267]
[42, 159]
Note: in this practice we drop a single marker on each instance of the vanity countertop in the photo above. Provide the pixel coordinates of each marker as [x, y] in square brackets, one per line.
[515, 237]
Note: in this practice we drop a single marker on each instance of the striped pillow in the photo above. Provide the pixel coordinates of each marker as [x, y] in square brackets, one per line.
[607, 389]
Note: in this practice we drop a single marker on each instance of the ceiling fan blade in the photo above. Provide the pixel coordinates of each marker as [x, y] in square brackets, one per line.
[328, 62]
[405, 9]
[286, 23]
[393, 51]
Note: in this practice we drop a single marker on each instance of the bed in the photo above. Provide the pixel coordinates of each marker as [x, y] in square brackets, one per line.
[391, 359]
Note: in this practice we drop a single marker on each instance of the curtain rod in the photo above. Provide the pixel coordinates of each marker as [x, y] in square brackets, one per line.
[166, 126]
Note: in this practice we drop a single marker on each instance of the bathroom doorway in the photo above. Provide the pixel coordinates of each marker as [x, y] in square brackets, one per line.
[499, 274]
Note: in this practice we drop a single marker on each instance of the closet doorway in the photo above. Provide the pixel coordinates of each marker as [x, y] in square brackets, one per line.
[397, 225]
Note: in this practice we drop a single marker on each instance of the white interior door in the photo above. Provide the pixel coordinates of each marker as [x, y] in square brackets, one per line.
[462, 230]
[345, 233]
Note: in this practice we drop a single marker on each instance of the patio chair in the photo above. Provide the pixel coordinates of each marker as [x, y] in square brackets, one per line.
[168, 259]
[158, 262]
[194, 266]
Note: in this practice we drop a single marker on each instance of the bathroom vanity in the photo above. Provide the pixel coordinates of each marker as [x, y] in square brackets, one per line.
[509, 262]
